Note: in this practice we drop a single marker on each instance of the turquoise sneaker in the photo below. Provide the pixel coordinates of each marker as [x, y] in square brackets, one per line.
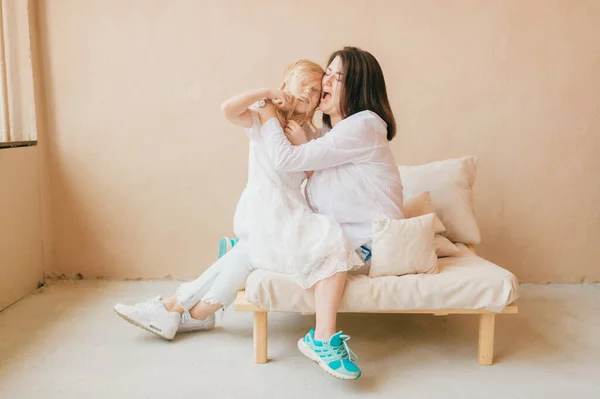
[335, 357]
[225, 245]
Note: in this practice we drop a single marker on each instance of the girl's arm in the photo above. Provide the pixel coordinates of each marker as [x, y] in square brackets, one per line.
[236, 108]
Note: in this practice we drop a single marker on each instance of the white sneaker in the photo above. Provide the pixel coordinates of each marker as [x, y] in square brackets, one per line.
[188, 323]
[152, 316]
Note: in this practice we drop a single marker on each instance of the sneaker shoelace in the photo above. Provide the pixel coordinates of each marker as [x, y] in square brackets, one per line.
[343, 351]
[149, 304]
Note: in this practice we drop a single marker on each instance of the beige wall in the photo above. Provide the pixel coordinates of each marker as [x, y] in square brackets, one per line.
[21, 258]
[144, 173]
[20, 229]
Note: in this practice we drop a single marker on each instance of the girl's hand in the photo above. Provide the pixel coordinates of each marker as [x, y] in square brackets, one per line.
[280, 98]
[267, 112]
[295, 134]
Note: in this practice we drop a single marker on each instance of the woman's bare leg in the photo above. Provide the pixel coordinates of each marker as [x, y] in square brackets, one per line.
[328, 294]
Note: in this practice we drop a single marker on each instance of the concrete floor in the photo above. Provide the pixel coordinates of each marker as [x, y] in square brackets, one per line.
[64, 341]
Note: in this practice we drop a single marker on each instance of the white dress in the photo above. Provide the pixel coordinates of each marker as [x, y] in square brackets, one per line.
[283, 234]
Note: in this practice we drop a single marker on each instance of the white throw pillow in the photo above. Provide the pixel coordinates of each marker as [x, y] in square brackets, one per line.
[444, 247]
[450, 185]
[403, 246]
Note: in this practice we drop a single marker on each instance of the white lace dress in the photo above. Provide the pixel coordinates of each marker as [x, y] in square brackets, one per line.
[283, 233]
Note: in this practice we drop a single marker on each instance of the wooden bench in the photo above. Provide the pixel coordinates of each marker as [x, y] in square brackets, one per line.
[486, 326]
[487, 321]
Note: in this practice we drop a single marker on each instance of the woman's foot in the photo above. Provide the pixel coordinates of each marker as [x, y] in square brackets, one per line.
[333, 356]
[152, 316]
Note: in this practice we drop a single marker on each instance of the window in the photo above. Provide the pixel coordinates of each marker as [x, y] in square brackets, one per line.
[17, 97]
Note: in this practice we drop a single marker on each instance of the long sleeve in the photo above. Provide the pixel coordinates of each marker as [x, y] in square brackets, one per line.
[351, 140]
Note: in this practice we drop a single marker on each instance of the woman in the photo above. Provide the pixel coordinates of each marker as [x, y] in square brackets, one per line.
[355, 180]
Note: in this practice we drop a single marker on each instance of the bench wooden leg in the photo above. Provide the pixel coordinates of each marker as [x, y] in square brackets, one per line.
[486, 339]
[260, 337]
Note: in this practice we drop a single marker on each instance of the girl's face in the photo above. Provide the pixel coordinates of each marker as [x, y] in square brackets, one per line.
[332, 89]
[308, 92]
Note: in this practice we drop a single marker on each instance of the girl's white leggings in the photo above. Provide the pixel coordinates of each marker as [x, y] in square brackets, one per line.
[220, 282]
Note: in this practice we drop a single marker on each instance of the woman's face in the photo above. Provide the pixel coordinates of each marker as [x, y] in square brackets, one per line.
[332, 88]
[308, 92]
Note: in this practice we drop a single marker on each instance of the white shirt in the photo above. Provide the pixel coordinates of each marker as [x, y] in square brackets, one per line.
[355, 180]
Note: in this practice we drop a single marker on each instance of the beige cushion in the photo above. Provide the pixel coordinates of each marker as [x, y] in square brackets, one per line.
[420, 205]
[464, 281]
[450, 185]
[444, 247]
[403, 246]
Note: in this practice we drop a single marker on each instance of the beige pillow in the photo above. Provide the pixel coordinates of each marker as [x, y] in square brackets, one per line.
[444, 247]
[403, 246]
[450, 185]
[420, 205]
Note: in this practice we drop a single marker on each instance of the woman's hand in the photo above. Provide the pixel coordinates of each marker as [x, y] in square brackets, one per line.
[295, 134]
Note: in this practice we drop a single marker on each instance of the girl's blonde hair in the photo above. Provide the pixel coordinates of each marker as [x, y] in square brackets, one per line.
[296, 75]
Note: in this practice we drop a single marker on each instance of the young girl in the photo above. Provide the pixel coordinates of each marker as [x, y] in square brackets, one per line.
[277, 229]
[283, 233]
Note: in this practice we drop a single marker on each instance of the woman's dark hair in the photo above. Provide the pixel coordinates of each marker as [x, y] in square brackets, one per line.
[364, 87]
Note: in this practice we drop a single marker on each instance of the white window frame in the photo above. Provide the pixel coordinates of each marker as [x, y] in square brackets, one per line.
[4, 121]
[18, 125]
